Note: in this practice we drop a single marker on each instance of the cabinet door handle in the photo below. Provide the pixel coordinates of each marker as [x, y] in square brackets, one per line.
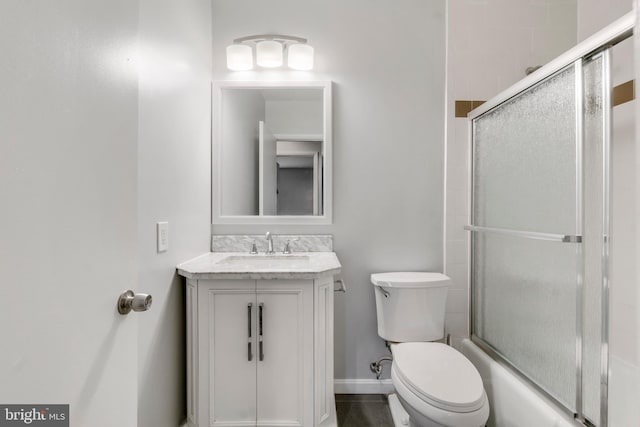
[249, 352]
[260, 344]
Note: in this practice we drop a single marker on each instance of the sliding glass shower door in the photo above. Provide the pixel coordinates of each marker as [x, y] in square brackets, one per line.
[538, 224]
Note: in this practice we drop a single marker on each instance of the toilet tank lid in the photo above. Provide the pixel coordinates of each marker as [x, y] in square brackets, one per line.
[410, 279]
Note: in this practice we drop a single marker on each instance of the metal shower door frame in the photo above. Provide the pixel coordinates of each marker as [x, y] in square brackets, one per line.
[597, 45]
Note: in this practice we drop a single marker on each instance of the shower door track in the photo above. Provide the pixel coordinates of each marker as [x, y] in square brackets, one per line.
[598, 43]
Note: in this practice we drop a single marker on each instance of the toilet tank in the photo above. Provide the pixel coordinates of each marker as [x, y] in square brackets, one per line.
[410, 305]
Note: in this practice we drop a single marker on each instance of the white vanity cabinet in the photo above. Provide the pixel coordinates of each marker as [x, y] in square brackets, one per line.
[260, 352]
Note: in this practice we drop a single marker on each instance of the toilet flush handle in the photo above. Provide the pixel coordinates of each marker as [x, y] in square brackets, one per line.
[384, 292]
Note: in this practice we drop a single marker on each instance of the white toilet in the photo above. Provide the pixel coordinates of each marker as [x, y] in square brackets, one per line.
[435, 384]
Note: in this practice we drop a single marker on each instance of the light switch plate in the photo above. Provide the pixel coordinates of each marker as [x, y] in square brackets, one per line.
[163, 236]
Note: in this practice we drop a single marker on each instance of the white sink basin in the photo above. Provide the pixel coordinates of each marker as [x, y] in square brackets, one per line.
[266, 261]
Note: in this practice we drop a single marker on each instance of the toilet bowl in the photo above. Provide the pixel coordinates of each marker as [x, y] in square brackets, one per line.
[436, 386]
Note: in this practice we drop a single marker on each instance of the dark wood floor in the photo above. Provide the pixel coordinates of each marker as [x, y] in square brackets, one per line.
[363, 410]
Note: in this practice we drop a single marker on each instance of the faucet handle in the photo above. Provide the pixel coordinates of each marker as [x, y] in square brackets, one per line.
[254, 248]
[287, 246]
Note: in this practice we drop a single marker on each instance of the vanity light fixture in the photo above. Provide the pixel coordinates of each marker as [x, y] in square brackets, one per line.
[270, 51]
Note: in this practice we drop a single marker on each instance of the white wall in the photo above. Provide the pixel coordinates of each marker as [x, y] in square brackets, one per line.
[174, 185]
[388, 139]
[68, 161]
[243, 110]
[593, 15]
[636, 57]
[490, 44]
[295, 117]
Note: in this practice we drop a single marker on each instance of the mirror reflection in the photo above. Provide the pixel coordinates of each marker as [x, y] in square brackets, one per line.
[271, 151]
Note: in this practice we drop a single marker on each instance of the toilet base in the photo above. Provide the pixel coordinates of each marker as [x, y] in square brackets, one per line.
[398, 414]
[401, 417]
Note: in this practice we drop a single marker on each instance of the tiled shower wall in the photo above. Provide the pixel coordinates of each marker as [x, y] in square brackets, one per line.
[490, 45]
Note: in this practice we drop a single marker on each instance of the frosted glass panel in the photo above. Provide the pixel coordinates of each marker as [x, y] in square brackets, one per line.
[593, 237]
[525, 307]
[524, 160]
[525, 290]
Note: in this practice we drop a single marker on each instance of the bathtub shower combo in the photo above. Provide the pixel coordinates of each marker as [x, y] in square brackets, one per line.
[540, 227]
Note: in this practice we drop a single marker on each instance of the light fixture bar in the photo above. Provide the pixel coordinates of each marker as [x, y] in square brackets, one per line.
[270, 52]
[276, 37]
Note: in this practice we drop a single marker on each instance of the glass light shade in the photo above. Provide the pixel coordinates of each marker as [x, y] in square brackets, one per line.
[239, 57]
[269, 53]
[300, 57]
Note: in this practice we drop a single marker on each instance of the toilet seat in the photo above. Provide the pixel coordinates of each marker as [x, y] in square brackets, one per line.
[438, 375]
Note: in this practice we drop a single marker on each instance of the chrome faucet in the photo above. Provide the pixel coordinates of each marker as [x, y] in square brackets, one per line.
[270, 250]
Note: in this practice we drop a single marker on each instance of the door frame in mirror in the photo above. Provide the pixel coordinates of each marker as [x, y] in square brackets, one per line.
[216, 144]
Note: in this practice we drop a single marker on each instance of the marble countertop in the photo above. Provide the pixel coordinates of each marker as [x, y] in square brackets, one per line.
[241, 265]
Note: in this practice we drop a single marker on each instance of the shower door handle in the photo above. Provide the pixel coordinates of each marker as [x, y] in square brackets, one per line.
[562, 238]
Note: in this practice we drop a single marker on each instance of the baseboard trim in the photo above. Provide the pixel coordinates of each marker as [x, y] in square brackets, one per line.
[359, 386]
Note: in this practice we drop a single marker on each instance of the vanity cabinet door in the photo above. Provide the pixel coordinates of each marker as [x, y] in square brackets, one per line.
[232, 360]
[324, 397]
[253, 358]
[285, 353]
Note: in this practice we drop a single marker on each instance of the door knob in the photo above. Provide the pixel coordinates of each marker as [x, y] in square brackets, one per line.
[130, 301]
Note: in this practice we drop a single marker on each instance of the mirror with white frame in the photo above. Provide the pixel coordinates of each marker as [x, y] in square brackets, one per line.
[271, 152]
